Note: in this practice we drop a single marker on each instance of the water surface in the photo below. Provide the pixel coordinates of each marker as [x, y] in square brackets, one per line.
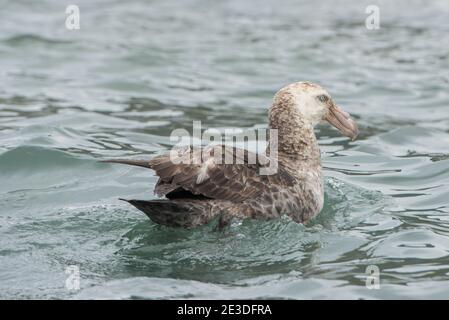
[137, 70]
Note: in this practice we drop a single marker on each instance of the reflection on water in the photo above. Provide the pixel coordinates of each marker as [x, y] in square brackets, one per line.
[69, 98]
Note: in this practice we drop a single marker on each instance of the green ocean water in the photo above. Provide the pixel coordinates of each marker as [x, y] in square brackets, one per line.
[137, 70]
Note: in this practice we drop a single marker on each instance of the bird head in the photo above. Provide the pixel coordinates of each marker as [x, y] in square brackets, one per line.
[313, 104]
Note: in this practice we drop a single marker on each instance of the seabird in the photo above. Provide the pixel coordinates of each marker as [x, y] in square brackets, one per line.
[206, 187]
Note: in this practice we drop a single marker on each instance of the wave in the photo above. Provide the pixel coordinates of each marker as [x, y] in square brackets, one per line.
[32, 39]
[32, 158]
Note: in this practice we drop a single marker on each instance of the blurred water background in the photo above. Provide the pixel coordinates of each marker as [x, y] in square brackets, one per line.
[136, 70]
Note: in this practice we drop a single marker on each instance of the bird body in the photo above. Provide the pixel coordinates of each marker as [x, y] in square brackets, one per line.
[201, 185]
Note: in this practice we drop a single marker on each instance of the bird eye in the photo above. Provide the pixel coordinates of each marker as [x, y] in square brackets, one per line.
[323, 98]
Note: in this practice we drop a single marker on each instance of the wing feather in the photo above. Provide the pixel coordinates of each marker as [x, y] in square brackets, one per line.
[209, 176]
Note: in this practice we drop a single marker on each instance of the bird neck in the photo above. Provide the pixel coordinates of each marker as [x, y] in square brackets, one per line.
[295, 136]
[296, 141]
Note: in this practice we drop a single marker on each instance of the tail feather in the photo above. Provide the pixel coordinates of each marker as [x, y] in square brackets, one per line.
[185, 214]
[139, 163]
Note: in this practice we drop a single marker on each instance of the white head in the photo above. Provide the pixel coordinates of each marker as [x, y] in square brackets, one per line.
[314, 104]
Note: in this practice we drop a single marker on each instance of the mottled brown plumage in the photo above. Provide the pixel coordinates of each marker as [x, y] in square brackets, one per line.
[200, 186]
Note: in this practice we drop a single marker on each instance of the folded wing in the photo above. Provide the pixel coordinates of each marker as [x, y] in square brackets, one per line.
[218, 172]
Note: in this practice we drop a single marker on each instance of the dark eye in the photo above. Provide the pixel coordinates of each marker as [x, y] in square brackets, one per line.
[323, 98]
